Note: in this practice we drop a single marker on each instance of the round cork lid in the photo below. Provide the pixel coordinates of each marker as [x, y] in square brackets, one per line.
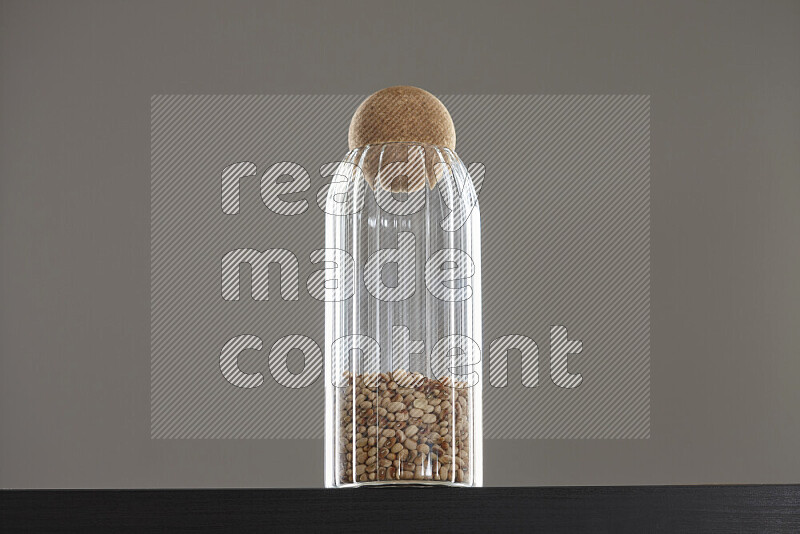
[402, 114]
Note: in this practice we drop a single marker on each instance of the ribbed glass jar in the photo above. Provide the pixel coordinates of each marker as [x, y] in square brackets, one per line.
[403, 320]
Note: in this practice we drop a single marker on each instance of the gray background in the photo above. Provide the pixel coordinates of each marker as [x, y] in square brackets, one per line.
[74, 221]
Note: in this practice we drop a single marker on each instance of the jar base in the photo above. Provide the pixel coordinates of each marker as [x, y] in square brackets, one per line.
[406, 483]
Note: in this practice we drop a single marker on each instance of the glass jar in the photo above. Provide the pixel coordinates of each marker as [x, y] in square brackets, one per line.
[403, 320]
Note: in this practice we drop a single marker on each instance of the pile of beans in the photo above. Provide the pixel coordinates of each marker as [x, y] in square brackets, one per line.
[403, 426]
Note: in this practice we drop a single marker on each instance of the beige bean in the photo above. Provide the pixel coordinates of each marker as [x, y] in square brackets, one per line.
[395, 406]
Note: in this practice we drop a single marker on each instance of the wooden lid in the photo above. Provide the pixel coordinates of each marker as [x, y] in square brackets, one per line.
[402, 114]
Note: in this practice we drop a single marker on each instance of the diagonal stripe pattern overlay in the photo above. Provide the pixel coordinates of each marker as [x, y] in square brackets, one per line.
[565, 216]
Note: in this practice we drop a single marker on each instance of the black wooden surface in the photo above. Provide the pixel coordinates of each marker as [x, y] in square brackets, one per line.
[562, 509]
